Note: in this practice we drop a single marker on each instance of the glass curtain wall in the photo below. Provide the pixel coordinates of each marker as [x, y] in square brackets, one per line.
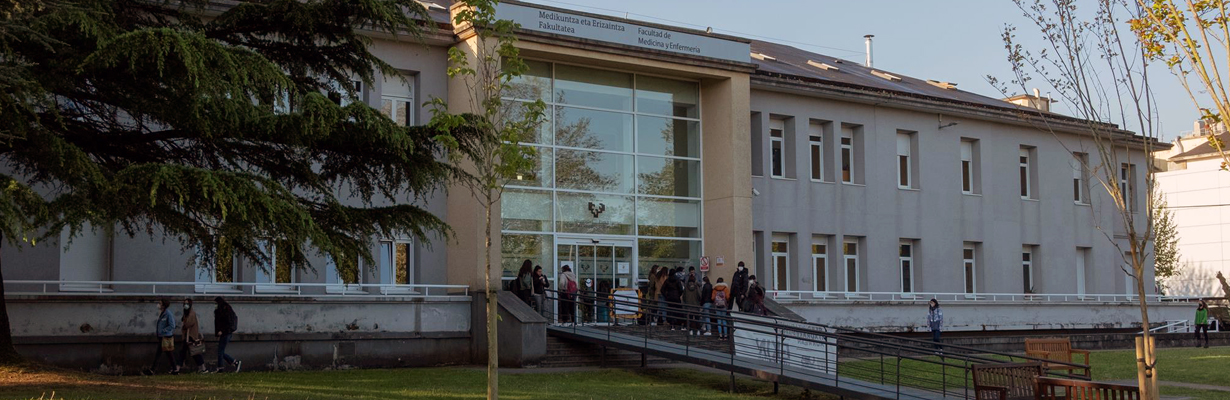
[618, 156]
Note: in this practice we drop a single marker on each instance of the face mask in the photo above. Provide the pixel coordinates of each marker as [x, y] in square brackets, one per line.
[752, 281]
[740, 268]
[186, 306]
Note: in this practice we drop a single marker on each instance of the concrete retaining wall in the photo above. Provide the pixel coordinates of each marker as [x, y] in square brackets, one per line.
[912, 316]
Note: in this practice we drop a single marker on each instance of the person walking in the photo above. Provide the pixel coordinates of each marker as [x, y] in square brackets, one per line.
[706, 299]
[691, 306]
[673, 295]
[540, 292]
[524, 285]
[568, 290]
[193, 343]
[738, 287]
[755, 297]
[1202, 323]
[721, 306]
[225, 324]
[935, 321]
[165, 331]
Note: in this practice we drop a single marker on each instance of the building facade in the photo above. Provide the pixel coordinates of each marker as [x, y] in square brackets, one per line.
[843, 187]
[1196, 190]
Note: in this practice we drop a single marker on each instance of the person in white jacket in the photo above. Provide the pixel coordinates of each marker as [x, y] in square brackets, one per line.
[568, 288]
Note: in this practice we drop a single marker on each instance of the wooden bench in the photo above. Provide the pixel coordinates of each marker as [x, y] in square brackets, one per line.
[1006, 381]
[1070, 389]
[1060, 351]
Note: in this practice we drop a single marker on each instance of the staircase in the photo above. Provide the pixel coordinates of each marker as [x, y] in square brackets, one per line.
[564, 353]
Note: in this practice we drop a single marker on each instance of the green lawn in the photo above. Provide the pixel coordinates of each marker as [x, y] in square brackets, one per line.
[425, 383]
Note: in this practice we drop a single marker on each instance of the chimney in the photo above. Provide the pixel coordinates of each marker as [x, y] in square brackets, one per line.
[868, 38]
[1035, 101]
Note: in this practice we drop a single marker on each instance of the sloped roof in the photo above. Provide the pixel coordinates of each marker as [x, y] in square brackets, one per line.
[1204, 149]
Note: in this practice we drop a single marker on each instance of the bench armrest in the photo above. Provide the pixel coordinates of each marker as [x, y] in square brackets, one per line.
[1082, 352]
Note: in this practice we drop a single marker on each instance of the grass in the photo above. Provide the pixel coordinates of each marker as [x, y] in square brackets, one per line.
[389, 384]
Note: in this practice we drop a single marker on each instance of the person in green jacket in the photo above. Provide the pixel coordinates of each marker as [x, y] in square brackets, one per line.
[1202, 323]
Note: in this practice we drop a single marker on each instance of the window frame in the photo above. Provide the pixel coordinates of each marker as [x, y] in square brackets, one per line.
[1080, 183]
[333, 278]
[969, 267]
[387, 264]
[267, 281]
[1028, 272]
[820, 261]
[1025, 162]
[212, 285]
[815, 147]
[906, 265]
[777, 163]
[905, 160]
[780, 262]
[968, 182]
[847, 158]
[1127, 186]
[847, 259]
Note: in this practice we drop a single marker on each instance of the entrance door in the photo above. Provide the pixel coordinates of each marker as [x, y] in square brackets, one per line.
[601, 266]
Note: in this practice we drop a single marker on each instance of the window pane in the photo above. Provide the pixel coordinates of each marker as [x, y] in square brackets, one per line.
[515, 249]
[851, 248]
[969, 278]
[594, 213]
[593, 87]
[780, 247]
[969, 254]
[965, 177]
[282, 272]
[845, 165]
[224, 268]
[903, 171]
[401, 263]
[907, 283]
[1024, 182]
[515, 110]
[526, 210]
[534, 84]
[668, 218]
[668, 177]
[586, 170]
[777, 158]
[592, 129]
[906, 250]
[821, 278]
[347, 268]
[667, 97]
[815, 161]
[851, 275]
[1076, 190]
[668, 137]
[781, 273]
[540, 172]
[667, 252]
[819, 249]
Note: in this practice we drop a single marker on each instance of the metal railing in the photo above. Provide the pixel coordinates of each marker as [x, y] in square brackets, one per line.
[1180, 326]
[245, 289]
[822, 296]
[806, 354]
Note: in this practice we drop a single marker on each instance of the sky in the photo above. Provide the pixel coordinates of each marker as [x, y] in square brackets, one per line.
[946, 40]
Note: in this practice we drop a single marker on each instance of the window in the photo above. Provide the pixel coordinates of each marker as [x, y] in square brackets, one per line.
[820, 264]
[1027, 269]
[815, 140]
[1080, 193]
[276, 269]
[343, 272]
[342, 96]
[970, 265]
[222, 271]
[777, 148]
[905, 258]
[397, 100]
[781, 265]
[396, 262]
[1082, 254]
[905, 162]
[847, 155]
[1129, 282]
[1026, 161]
[969, 180]
[757, 145]
[1127, 186]
[850, 254]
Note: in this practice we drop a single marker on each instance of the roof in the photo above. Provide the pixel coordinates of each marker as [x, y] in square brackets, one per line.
[1205, 148]
[792, 61]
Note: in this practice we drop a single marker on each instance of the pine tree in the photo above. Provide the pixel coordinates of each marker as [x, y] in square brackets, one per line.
[1166, 258]
[147, 116]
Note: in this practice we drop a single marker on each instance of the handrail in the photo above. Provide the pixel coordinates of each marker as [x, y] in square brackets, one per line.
[829, 296]
[356, 290]
[1170, 325]
[849, 334]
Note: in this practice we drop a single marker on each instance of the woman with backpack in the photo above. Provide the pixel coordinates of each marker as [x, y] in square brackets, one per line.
[691, 306]
[165, 331]
[225, 323]
[755, 297]
[194, 342]
[568, 301]
[721, 306]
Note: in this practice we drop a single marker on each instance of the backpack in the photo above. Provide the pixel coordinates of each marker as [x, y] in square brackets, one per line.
[719, 300]
[234, 319]
[571, 287]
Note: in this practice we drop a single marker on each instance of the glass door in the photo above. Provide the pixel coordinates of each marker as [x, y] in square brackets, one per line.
[601, 267]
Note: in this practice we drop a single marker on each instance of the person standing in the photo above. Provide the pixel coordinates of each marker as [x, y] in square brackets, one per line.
[225, 324]
[568, 288]
[673, 294]
[660, 283]
[935, 321]
[721, 303]
[706, 299]
[691, 306]
[524, 286]
[651, 296]
[738, 287]
[755, 297]
[193, 343]
[165, 331]
[1202, 323]
[540, 291]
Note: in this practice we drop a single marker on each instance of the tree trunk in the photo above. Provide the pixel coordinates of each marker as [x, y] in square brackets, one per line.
[493, 353]
[8, 354]
[1146, 371]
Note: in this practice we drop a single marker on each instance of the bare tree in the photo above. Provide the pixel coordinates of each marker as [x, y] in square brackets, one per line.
[495, 156]
[1103, 78]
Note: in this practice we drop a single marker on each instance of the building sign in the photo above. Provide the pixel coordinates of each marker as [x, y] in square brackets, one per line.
[792, 347]
[584, 27]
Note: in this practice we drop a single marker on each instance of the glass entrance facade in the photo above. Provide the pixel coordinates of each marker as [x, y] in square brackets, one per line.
[618, 161]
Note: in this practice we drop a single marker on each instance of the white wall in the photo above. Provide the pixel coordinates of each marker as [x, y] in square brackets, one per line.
[1204, 232]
